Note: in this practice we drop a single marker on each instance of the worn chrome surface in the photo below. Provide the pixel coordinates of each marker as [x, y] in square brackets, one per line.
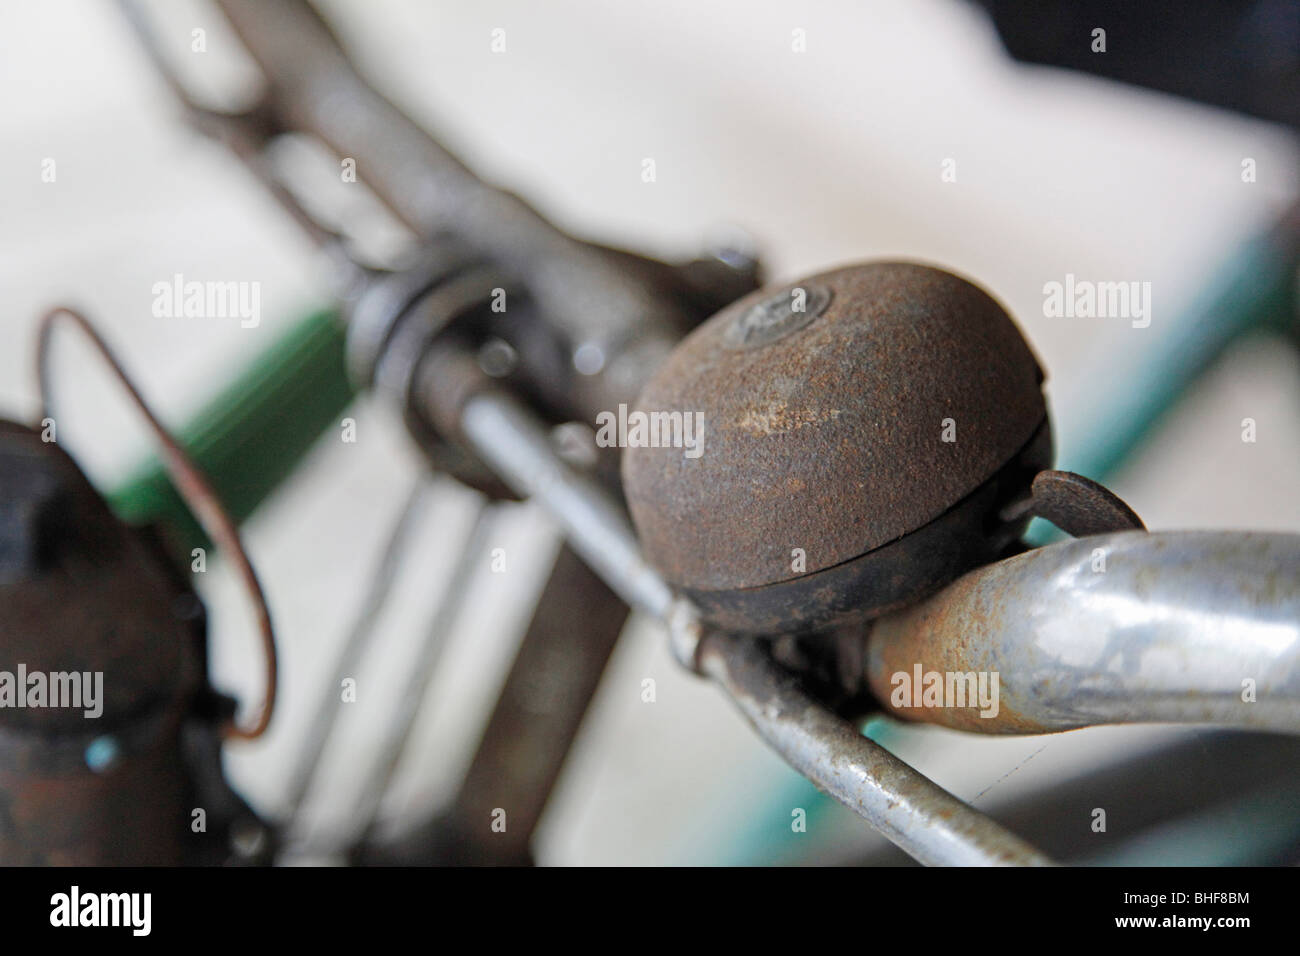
[916, 814]
[1118, 628]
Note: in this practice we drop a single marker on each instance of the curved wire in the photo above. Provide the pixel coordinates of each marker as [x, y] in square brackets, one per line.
[193, 488]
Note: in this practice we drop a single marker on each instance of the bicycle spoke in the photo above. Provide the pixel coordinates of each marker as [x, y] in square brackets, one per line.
[360, 637]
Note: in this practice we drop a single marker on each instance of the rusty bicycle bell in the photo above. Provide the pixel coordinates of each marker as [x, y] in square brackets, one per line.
[866, 436]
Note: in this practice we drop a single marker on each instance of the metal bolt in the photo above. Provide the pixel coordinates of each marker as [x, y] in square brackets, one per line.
[497, 358]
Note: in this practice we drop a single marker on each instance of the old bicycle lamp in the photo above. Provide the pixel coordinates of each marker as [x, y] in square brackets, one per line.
[108, 748]
[864, 437]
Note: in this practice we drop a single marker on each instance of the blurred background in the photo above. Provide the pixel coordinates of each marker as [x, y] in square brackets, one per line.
[823, 156]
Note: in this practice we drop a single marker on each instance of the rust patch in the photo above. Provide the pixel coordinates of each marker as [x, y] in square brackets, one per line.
[777, 417]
